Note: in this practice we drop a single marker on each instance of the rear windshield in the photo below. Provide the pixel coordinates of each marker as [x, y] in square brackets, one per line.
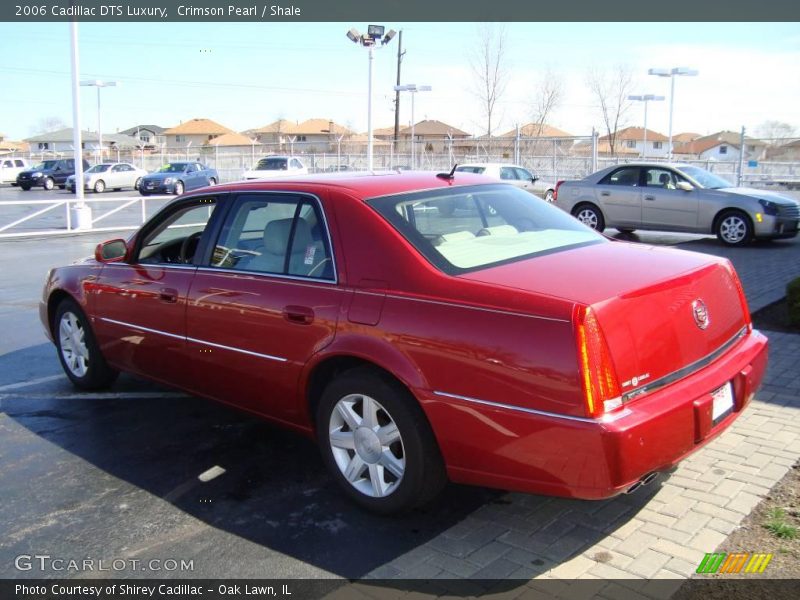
[463, 229]
[272, 164]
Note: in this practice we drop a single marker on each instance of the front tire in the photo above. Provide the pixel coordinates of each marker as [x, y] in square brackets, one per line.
[178, 188]
[25, 188]
[590, 215]
[734, 228]
[78, 351]
[377, 443]
[100, 186]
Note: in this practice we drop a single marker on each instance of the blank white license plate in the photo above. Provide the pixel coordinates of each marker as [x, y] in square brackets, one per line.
[723, 401]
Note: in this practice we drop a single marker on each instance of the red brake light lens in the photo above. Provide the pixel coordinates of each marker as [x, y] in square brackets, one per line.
[600, 385]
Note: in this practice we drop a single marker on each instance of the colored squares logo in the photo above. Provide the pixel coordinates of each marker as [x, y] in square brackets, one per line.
[737, 562]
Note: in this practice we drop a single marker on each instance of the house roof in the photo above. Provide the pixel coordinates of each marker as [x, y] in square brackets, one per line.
[434, 128]
[65, 136]
[198, 127]
[320, 126]
[729, 138]
[686, 137]
[231, 139]
[279, 126]
[636, 134]
[134, 130]
[536, 130]
[603, 147]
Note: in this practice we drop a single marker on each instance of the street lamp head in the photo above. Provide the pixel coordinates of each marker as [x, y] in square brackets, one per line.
[98, 83]
[659, 72]
[388, 37]
[375, 31]
[354, 36]
[685, 71]
[646, 98]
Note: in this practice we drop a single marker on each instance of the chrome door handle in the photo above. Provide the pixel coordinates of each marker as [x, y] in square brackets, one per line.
[605, 193]
[302, 315]
[169, 295]
[651, 198]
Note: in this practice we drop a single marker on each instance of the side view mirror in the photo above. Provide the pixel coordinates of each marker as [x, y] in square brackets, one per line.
[111, 251]
[685, 186]
[534, 179]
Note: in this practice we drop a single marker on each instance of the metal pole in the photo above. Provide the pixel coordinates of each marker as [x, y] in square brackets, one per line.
[671, 108]
[397, 92]
[76, 123]
[741, 160]
[369, 112]
[413, 146]
[99, 128]
[644, 135]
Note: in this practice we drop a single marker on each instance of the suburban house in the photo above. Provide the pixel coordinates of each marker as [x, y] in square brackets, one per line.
[151, 136]
[57, 143]
[784, 152]
[631, 140]
[685, 137]
[195, 132]
[723, 145]
[312, 135]
[430, 136]
[11, 147]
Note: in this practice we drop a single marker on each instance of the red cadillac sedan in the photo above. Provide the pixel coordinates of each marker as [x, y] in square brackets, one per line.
[423, 328]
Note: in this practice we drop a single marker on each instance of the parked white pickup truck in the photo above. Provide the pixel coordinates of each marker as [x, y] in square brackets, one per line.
[10, 168]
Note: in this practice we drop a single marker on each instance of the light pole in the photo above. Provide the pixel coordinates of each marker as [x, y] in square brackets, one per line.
[374, 38]
[412, 88]
[671, 73]
[645, 98]
[99, 84]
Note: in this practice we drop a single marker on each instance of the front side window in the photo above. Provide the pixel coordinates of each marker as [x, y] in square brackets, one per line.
[276, 234]
[472, 227]
[626, 176]
[175, 238]
[508, 173]
[272, 164]
[660, 178]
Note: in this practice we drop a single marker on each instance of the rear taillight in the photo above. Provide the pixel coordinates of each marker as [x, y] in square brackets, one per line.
[742, 297]
[601, 389]
[555, 191]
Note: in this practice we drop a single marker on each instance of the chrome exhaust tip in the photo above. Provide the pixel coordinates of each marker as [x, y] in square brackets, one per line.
[649, 478]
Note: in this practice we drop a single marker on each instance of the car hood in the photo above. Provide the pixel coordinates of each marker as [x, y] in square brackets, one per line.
[764, 194]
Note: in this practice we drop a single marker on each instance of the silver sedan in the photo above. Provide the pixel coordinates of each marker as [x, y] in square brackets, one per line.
[111, 176]
[678, 197]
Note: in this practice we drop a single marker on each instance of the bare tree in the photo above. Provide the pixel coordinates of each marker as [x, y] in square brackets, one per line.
[48, 124]
[775, 132]
[546, 100]
[611, 89]
[489, 69]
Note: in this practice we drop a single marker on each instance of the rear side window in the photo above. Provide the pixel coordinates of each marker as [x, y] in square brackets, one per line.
[626, 176]
[275, 234]
[467, 228]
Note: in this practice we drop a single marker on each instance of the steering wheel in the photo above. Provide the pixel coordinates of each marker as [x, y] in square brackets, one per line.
[183, 255]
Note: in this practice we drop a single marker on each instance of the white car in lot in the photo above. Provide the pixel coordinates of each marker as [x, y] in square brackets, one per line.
[11, 167]
[514, 174]
[271, 167]
[114, 176]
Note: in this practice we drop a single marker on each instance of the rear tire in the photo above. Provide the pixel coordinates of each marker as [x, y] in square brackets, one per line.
[590, 215]
[734, 228]
[377, 443]
[48, 184]
[78, 351]
[549, 196]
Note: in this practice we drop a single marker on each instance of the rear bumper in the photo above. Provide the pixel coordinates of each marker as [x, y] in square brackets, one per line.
[495, 445]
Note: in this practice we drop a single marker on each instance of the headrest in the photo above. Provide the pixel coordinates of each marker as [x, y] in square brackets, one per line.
[276, 236]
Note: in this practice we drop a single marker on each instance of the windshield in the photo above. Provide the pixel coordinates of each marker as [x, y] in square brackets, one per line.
[272, 164]
[172, 168]
[98, 169]
[706, 179]
[472, 227]
[46, 164]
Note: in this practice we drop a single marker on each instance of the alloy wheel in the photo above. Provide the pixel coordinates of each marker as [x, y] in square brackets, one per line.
[73, 346]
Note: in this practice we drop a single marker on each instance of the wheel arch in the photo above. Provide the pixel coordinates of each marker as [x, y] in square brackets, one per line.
[728, 209]
[55, 298]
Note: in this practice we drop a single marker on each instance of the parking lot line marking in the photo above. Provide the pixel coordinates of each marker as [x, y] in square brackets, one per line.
[212, 473]
[23, 384]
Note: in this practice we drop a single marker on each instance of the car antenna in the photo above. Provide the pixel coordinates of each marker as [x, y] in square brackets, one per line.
[449, 175]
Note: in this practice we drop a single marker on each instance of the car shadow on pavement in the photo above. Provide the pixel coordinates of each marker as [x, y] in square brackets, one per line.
[93, 478]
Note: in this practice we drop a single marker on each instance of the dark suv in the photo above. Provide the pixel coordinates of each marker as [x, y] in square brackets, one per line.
[49, 173]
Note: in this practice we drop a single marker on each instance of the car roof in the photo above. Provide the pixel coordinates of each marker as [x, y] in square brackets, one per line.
[366, 184]
[489, 164]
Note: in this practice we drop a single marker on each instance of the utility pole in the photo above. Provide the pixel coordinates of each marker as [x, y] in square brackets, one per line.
[400, 54]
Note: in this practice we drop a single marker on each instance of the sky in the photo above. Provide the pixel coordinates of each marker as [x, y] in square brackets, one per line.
[246, 75]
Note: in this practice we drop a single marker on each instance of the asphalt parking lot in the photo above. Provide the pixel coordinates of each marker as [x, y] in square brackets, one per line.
[114, 475]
